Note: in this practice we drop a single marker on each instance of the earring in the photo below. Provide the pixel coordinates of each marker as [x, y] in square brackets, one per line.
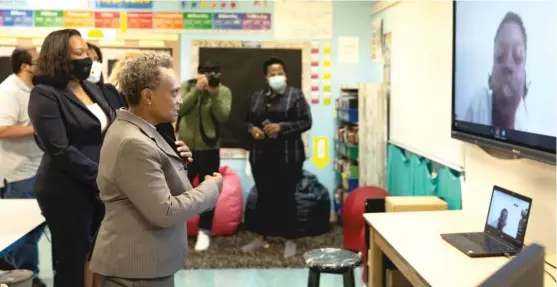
[149, 103]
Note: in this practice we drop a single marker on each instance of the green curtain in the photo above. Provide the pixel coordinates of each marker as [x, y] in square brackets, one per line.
[411, 176]
[398, 172]
[422, 183]
[449, 188]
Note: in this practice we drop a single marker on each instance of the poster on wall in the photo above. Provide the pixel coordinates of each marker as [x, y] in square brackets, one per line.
[376, 37]
[348, 50]
[387, 44]
[305, 20]
[49, 18]
[16, 18]
[124, 4]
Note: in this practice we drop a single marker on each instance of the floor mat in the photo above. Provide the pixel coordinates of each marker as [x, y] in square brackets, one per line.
[225, 252]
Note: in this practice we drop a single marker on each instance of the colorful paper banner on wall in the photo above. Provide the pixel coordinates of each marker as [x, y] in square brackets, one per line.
[78, 19]
[124, 4]
[257, 21]
[17, 18]
[108, 20]
[169, 20]
[49, 18]
[140, 20]
[137, 20]
[228, 21]
[198, 21]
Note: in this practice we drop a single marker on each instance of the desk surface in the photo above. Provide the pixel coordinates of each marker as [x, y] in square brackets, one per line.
[416, 237]
[17, 218]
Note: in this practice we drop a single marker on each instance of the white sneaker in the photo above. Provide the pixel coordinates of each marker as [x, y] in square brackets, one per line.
[289, 249]
[255, 245]
[203, 240]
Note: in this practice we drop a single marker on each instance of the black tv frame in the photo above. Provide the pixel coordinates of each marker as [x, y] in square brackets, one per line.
[514, 148]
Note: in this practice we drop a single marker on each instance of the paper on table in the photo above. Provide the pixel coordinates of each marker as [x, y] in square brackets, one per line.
[348, 50]
[303, 20]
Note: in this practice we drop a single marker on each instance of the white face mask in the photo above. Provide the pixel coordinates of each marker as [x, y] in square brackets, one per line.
[277, 83]
[96, 72]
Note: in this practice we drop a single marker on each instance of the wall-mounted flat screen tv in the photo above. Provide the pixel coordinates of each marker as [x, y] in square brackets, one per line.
[505, 76]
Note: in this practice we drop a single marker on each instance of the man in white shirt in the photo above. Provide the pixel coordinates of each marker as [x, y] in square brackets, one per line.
[21, 156]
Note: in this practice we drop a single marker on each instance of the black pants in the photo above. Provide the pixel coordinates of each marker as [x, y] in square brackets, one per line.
[276, 183]
[70, 222]
[205, 162]
[98, 216]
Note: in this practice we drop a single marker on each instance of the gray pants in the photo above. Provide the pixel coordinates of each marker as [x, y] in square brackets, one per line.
[121, 282]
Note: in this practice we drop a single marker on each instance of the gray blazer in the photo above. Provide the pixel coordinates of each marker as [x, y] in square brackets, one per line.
[148, 198]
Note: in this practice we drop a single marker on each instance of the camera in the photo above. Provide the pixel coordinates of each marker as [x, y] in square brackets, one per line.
[212, 72]
[213, 79]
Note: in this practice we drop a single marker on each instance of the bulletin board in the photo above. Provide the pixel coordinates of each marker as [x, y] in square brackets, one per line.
[304, 47]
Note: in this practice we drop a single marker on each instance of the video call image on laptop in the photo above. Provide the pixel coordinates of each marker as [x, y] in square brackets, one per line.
[508, 214]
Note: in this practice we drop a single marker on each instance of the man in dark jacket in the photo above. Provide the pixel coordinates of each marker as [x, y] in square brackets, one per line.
[206, 105]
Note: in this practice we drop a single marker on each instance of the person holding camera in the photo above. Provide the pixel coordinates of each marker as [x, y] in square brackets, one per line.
[206, 104]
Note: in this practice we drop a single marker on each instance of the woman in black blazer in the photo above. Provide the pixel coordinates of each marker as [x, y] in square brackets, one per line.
[70, 117]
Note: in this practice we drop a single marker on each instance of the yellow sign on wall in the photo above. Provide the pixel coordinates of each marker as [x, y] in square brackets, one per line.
[320, 153]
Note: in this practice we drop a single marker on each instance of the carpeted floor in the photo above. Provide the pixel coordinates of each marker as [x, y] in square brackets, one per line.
[225, 251]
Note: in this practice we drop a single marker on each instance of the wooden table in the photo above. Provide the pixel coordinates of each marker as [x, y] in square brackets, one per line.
[17, 218]
[412, 241]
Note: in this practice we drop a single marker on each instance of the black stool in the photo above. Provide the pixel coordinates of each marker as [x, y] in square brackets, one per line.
[332, 261]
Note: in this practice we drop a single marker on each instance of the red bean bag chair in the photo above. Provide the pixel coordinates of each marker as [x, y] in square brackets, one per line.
[352, 214]
[229, 208]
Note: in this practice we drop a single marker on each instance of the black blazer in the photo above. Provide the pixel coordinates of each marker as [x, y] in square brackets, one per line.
[113, 97]
[69, 134]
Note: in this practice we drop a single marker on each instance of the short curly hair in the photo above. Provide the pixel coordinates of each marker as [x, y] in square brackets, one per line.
[142, 73]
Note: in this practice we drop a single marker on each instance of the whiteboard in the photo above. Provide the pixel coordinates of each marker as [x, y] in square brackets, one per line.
[421, 80]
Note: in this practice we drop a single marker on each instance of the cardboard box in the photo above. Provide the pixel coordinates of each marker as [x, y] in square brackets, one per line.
[414, 203]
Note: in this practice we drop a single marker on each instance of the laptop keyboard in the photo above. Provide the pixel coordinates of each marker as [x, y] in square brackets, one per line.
[489, 244]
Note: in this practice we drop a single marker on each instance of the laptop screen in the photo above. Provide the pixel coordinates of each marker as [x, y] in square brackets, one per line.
[508, 214]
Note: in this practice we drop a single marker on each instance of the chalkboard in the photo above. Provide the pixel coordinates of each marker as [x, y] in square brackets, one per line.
[242, 72]
[5, 68]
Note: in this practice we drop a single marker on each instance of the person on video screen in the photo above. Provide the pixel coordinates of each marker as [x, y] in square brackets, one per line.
[522, 224]
[501, 222]
[501, 104]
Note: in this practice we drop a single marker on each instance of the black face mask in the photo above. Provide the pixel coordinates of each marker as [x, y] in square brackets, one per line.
[82, 68]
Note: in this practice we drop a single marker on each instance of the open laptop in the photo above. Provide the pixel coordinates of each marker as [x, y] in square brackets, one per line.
[504, 230]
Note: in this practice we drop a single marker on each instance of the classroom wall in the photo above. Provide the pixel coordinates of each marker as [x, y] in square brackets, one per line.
[348, 19]
[482, 171]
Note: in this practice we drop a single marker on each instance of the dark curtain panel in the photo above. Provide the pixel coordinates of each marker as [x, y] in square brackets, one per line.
[242, 72]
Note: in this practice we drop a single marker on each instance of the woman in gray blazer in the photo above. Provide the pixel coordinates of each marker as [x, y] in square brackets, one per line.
[144, 185]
